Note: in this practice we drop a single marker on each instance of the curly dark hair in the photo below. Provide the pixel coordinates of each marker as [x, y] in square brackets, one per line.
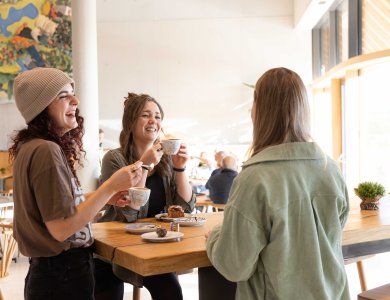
[42, 127]
[133, 106]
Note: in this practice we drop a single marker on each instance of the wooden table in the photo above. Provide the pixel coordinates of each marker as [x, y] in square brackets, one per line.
[205, 202]
[366, 232]
[130, 251]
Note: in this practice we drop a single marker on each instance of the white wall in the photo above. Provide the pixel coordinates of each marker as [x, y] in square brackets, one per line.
[193, 57]
[308, 12]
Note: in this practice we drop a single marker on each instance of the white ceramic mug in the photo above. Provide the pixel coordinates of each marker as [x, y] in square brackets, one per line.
[139, 196]
[171, 146]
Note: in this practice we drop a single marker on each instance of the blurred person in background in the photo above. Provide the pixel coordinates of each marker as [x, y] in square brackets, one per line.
[220, 183]
[218, 156]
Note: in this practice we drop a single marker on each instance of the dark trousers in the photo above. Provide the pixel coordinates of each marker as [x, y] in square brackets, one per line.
[68, 275]
[164, 286]
[212, 285]
[109, 287]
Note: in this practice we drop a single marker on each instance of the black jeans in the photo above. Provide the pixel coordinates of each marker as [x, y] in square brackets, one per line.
[68, 275]
[109, 287]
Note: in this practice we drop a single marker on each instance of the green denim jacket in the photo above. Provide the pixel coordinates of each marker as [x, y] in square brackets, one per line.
[281, 235]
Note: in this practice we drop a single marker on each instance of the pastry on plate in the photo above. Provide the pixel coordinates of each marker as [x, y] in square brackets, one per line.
[175, 211]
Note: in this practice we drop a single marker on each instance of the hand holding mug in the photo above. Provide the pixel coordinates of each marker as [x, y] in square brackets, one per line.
[125, 177]
[139, 196]
[120, 199]
[152, 155]
[170, 146]
[180, 159]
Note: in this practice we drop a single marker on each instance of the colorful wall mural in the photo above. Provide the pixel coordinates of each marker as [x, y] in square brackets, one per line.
[33, 33]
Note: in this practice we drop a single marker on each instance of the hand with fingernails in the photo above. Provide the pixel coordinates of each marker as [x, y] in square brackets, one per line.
[126, 177]
[120, 199]
[152, 155]
[180, 159]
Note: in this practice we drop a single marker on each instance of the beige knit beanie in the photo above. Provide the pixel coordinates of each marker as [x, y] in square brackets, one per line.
[35, 89]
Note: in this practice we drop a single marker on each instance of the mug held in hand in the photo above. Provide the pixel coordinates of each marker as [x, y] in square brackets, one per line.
[171, 146]
[139, 196]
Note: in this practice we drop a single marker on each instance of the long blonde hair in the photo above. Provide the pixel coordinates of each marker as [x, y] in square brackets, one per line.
[281, 110]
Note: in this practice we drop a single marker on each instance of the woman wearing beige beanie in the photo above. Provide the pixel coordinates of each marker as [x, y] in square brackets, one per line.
[52, 215]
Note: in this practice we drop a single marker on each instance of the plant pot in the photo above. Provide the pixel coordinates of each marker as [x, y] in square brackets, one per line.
[370, 203]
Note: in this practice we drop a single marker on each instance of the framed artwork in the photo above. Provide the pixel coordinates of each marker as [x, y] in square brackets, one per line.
[33, 33]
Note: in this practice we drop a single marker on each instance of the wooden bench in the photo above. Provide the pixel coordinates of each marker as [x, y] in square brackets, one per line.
[379, 293]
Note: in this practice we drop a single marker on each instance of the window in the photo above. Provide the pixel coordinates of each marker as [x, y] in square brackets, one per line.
[342, 31]
[374, 125]
[321, 112]
[325, 46]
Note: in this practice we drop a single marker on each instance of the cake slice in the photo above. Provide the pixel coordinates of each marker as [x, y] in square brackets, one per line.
[175, 211]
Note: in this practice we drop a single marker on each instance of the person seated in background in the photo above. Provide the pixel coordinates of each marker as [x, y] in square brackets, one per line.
[200, 172]
[218, 158]
[219, 184]
[101, 137]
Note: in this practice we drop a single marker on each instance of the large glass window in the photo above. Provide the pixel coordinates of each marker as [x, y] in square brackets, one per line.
[342, 31]
[374, 125]
[321, 112]
[325, 46]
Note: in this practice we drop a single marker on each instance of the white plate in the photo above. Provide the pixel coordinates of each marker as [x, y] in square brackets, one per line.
[164, 217]
[141, 227]
[192, 221]
[170, 237]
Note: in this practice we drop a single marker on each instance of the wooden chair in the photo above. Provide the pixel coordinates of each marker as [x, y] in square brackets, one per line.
[379, 293]
[360, 269]
[136, 293]
[137, 290]
[7, 247]
[218, 206]
[1, 295]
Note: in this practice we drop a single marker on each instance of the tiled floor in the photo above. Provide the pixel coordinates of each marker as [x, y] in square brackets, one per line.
[376, 271]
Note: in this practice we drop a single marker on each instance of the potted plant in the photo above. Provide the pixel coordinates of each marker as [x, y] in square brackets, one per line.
[370, 193]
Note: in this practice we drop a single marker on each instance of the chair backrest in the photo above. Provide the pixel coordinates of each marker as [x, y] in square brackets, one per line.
[8, 247]
[6, 205]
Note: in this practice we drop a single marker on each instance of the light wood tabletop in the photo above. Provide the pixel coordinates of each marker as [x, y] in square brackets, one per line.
[366, 232]
[132, 252]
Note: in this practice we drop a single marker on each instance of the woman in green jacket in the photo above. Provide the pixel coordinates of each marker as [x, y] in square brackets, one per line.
[281, 235]
[169, 184]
